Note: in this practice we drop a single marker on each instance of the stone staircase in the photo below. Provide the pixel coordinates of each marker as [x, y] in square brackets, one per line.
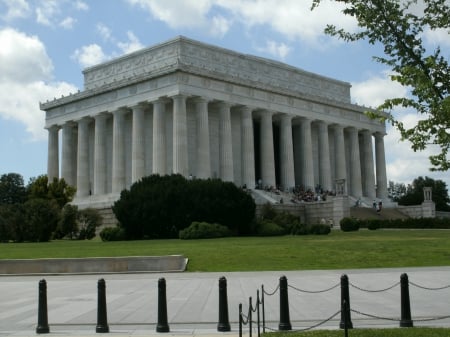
[370, 213]
[109, 219]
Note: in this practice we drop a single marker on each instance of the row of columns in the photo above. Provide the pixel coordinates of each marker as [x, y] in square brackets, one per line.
[360, 173]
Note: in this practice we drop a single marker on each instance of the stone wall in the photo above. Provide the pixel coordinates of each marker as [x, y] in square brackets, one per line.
[332, 210]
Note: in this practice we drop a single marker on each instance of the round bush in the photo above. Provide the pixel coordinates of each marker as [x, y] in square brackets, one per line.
[269, 228]
[349, 224]
[320, 229]
[112, 234]
[204, 230]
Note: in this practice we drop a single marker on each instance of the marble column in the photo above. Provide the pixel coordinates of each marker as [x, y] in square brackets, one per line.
[248, 148]
[53, 153]
[324, 157]
[100, 154]
[339, 143]
[225, 143]
[67, 162]
[180, 148]
[159, 137]
[267, 150]
[355, 164]
[118, 155]
[369, 177]
[203, 154]
[380, 166]
[83, 183]
[137, 143]
[286, 154]
[307, 154]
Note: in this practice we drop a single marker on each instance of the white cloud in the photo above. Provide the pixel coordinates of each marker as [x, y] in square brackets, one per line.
[26, 73]
[291, 18]
[104, 31]
[276, 49]
[89, 55]
[46, 12]
[373, 91]
[15, 9]
[23, 58]
[439, 37]
[131, 45]
[81, 5]
[68, 23]
[177, 14]
[219, 26]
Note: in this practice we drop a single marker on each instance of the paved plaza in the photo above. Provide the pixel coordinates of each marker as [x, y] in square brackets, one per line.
[192, 300]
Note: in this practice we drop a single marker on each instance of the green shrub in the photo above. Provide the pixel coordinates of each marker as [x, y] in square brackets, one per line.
[160, 206]
[269, 228]
[373, 224]
[268, 212]
[286, 220]
[88, 221]
[204, 230]
[349, 224]
[319, 229]
[299, 229]
[112, 234]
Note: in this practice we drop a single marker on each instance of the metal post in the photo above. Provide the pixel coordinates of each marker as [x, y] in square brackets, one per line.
[263, 309]
[224, 323]
[345, 305]
[257, 312]
[405, 320]
[240, 319]
[250, 311]
[42, 326]
[346, 319]
[162, 325]
[102, 320]
[285, 322]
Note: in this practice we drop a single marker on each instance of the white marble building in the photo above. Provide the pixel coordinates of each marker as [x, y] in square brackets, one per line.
[186, 107]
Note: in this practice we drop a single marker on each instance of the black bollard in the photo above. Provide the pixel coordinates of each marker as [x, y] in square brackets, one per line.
[224, 323]
[405, 320]
[346, 320]
[42, 326]
[285, 322]
[102, 319]
[162, 325]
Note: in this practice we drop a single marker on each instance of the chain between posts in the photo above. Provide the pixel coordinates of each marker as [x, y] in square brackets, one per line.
[374, 291]
[314, 291]
[428, 288]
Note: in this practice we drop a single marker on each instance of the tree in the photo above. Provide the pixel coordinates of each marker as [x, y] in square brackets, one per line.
[12, 189]
[399, 29]
[414, 193]
[396, 190]
[58, 190]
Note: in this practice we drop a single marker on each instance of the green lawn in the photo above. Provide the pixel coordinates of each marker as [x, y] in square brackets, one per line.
[338, 250]
[397, 332]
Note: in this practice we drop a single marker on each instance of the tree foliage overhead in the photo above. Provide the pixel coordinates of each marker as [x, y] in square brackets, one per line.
[12, 189]
[160, 206]
[399, 26]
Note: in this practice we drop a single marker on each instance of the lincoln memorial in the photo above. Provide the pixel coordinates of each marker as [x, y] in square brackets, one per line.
[186, 107]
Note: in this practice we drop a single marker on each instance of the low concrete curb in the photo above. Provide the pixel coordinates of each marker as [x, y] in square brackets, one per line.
[130, 264]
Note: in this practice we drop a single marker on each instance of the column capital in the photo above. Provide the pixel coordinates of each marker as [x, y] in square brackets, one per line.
[140, 105]
[53, 127]
[200, 99]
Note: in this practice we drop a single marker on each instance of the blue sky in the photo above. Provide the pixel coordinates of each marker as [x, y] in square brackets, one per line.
[45, 44]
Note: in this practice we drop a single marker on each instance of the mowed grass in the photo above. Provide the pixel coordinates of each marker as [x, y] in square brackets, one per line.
[338, 250]
[397, 332]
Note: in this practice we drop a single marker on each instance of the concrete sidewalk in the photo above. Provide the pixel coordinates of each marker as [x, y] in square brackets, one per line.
[192, 300]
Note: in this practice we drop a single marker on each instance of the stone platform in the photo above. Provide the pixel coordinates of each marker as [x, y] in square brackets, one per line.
[130, 264]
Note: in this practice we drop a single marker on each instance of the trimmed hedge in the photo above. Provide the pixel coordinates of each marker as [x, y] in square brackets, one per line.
[204, 230]
[349, 224]
[269, 228]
